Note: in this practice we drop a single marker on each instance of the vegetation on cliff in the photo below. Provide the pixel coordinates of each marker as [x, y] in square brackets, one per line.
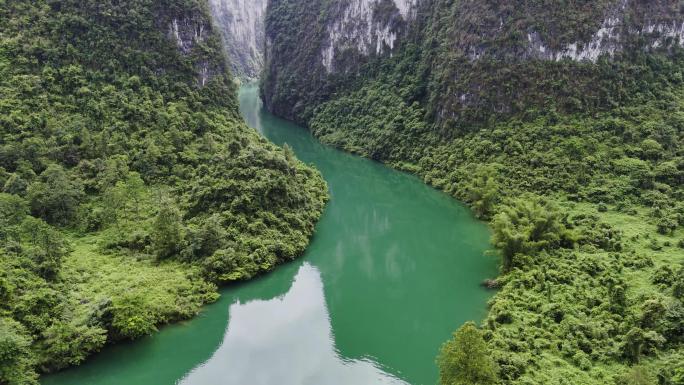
[129, 185]
[578, 166]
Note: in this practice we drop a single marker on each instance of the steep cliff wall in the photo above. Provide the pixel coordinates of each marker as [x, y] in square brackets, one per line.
[498, 60]
[242, 28]
[369, 27]
[195, 39]
[475, 58]
[305, 64]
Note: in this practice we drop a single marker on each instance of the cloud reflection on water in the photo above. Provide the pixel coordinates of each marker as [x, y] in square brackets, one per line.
[286, 341]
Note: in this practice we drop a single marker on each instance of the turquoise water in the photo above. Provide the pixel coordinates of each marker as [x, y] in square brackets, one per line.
[393, 269]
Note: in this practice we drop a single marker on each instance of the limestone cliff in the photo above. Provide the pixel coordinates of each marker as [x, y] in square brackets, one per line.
[241, 23]
[475, 58]
[190, 31]
[366, 26]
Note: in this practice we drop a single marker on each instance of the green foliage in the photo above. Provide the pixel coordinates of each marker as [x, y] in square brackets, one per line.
[55, 196]
[638, 375]
[167, 231]
[44, 246]
[527, 226]
[467, 104]
[130, 320]
[466, 360]
[16, 360]
[102, 113]
[483, 191]
[373, 117]
[64, 344]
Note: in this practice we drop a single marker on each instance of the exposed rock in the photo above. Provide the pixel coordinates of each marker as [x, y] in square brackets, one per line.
[241, 24]
[479, 55]
[611, 37]
[188, 31]
[367, 26]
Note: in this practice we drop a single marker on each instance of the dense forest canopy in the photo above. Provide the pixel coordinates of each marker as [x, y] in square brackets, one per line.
[129, 185]
[576, 161]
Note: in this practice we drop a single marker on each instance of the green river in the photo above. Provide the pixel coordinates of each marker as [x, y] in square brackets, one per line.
[394, 268]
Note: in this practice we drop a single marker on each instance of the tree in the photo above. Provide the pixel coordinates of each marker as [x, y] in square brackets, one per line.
[639, 171]
[638, 342]
[56, 196]
[16, 360]
[15, 184]
[167, 231]
[47, 249]
[651, 149]
[465, 359]
[122, 200]
[115, 169]
[483, 191]
[289, 154]
[13, 209]
[527, 225]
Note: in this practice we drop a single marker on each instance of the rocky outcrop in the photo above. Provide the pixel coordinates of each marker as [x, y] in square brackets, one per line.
[367, 26]
[613, 35]
[480, 58]
[315, 46]
[241, 24]
[192, 32]
[187, 33]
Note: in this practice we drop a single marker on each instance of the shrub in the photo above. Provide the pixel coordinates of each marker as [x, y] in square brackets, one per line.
[528, 225]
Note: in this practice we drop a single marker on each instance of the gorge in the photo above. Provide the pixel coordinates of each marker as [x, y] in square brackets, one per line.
[159, 156]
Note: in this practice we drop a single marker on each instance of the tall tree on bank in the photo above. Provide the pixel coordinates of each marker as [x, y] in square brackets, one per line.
[465, 359]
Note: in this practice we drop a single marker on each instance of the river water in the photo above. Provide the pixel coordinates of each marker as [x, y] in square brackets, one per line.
[393, 269]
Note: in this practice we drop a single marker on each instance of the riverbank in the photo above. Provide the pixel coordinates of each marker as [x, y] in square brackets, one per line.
[129, 184]
[585, 213]
[390, 257]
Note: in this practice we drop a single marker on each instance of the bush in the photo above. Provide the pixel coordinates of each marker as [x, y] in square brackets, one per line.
[132, 317]
[56, 196]
[64, 344]
[528, 225]
[638, 375]
[16, 360]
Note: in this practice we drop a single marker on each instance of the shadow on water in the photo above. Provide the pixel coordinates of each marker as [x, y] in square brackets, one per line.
[393, 269]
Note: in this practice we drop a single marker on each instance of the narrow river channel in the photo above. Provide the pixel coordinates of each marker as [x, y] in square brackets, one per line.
[393, 269]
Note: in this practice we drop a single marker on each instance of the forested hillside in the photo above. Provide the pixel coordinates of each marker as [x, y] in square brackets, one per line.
[129, 185]
[560, 123]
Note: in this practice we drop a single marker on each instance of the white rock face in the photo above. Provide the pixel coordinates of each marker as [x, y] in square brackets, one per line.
[358, 29]
[186, 33]
[672, 31]
[241, 23]
[608, 39]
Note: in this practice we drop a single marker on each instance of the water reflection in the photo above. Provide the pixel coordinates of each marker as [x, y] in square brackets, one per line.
[393, 269]
[287, 341]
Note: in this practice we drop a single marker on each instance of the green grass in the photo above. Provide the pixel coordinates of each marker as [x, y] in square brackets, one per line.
[169, 291]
